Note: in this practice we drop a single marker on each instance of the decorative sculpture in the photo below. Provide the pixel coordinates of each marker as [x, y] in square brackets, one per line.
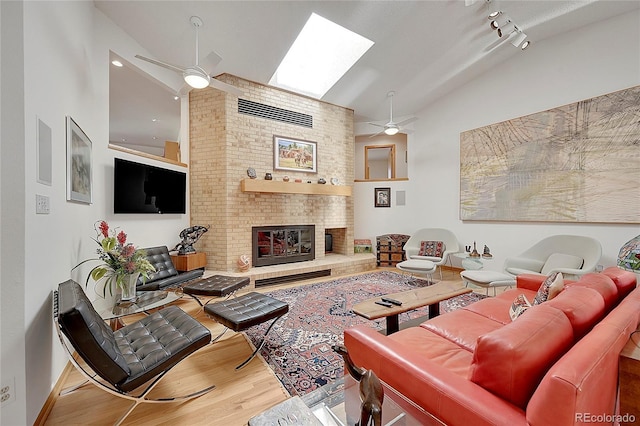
[474, 253]
[189, 237]
[371, 392]
[487, 253]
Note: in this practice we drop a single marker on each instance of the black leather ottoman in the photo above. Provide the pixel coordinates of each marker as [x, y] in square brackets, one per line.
[215, 286]
[245, 311]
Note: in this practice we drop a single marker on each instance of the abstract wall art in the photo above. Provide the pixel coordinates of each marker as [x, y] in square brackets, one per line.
[575, 163]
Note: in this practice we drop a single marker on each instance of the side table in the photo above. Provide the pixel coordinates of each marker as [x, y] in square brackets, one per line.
[189, 262]
[629, 377]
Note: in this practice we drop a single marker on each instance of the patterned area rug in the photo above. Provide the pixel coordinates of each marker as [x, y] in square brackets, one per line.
[298, 349]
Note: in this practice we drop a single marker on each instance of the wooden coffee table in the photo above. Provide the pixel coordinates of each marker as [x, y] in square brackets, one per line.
[411, 299]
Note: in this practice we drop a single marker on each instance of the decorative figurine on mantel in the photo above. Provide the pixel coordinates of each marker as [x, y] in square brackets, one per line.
[189, 237]
[474, 253]
[487, 254]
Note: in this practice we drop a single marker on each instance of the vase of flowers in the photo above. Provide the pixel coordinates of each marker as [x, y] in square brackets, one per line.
[121, 265]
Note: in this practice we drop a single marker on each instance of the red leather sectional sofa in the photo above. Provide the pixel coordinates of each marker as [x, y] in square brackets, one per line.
[556, 364]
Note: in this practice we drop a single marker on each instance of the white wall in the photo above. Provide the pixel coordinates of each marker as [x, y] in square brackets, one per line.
[66, 52]
[571, 67]
[12, 243]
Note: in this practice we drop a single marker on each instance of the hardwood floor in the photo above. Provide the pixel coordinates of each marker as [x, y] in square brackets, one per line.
[239, 395]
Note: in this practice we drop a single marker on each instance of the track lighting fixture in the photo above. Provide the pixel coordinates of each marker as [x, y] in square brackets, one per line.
[503, 24]
[500, 21]
[506, 30]
[519, 38]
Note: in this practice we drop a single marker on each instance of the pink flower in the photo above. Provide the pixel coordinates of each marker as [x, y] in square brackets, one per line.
[130, 267]
[128, 250]
[122, 238]
[104, 228]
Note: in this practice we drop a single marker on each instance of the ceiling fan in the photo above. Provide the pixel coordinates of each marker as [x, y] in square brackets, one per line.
[391, 128]
[195, 76]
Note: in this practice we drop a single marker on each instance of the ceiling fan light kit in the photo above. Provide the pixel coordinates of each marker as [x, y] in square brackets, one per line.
[391, 128]
[195, 76]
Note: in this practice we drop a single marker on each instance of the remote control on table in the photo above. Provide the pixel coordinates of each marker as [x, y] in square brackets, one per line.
[386, 304]
[392, 301]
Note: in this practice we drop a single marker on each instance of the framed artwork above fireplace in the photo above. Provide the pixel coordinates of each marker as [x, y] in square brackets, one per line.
[295, 155]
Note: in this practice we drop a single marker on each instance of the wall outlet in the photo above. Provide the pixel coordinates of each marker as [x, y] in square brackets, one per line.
[7, 392]
[42, 204]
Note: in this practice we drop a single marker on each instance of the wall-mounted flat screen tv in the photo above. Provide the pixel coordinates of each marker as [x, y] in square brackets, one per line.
[141, 188]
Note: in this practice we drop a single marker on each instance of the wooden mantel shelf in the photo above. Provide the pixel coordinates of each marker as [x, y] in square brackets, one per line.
[278, 187]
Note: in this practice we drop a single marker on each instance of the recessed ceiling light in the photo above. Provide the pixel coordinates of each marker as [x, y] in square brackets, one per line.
[321, 54]
[176, 97]
[154, 119]
[117, 63]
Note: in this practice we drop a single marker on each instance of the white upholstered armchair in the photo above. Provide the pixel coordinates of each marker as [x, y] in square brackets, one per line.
[449, 241]
[573, 255]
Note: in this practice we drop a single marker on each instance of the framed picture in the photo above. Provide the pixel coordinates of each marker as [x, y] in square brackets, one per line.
[295, 155]
[79, 181]
[382, 197]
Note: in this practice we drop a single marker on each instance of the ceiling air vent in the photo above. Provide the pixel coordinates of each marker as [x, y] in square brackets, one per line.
[274, 113]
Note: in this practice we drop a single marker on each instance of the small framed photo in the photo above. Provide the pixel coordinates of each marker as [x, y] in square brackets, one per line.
[294, 154]
[382, 197]
[79, 172]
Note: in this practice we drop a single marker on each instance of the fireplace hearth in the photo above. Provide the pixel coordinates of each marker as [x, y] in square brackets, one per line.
[274, 245]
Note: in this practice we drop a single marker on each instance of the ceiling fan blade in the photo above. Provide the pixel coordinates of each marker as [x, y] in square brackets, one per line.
[217, 84]
[161, 64]
[210, 62]
[407, 121]
[377, 134]
[376, 124]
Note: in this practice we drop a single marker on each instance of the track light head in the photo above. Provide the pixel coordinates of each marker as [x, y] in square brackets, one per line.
[525, 45]
[519, 38]
[506, 30]
[500, 21]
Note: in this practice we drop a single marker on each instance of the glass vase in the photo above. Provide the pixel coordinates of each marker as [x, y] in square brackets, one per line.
[129, 287]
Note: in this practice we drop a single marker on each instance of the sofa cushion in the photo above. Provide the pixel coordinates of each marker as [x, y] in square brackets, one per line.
[624, 281]
[431, 248]
[494, 308]
[602, 284]
[511, 361]
[438, 350]
[461, 327]
[549, 288]
[583, 306]
[561, 260]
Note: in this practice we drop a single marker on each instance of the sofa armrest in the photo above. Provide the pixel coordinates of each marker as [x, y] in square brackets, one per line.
[530, 281]
[448, 396]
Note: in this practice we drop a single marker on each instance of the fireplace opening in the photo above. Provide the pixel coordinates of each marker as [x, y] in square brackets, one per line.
[274, 245]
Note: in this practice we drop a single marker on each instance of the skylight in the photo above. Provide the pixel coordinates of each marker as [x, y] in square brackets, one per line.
[321, 54]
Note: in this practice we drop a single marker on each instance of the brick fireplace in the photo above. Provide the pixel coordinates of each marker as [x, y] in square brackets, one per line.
[225, 142]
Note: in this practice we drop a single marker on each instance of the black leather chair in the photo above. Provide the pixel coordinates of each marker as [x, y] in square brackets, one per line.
[121, 361]
[166, 274]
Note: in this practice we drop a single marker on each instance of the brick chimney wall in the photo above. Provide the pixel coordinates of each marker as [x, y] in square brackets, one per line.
[224, 144]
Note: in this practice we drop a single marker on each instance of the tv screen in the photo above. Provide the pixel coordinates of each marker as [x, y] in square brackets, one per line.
[141, 188]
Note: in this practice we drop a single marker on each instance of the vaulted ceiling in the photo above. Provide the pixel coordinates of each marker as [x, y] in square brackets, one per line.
[422, 50]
